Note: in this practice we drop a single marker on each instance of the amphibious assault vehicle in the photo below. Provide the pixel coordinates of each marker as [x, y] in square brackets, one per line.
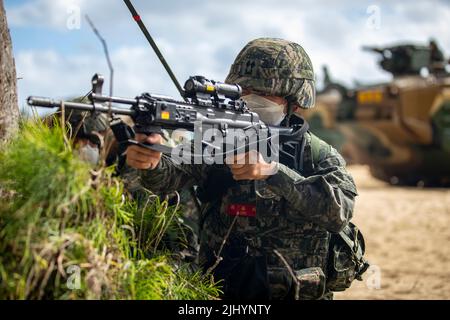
[400, 129]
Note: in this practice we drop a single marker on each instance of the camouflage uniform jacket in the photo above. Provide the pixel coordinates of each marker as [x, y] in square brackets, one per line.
[295, 217]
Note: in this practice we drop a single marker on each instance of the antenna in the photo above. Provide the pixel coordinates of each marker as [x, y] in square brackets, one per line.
[144, 30]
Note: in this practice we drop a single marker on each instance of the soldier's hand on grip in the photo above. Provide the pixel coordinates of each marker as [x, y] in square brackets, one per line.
[140, 158]
[250, 166]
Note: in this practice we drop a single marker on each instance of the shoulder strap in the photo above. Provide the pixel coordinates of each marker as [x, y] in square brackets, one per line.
[315, 148]
[318, 146]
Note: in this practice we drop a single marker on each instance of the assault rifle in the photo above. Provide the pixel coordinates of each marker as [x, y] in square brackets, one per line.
[209, 105]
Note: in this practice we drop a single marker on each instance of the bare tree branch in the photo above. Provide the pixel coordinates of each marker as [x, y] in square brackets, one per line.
[294, 277]
[224, 241]
[108, 59]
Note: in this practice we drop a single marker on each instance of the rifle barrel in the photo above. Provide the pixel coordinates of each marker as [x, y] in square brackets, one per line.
[102, 98]
[51, 103]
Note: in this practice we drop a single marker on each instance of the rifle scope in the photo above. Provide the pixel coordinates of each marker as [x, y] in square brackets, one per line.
[199, 84]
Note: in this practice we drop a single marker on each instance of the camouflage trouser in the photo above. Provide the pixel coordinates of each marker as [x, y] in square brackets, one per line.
[310, 285]
[254, 287]
[247, 277]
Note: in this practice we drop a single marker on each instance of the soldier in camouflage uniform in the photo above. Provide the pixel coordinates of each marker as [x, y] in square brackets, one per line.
[89, 133]
[278, 235]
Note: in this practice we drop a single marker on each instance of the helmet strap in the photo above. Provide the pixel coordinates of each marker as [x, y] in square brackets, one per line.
[290, 109]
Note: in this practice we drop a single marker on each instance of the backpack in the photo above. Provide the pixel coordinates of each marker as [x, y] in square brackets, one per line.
[346, 260]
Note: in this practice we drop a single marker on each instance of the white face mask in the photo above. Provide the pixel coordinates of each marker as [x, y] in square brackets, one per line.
[268, 111]
[89, 154]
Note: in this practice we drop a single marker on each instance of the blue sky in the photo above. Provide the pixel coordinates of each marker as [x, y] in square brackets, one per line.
[203, 37]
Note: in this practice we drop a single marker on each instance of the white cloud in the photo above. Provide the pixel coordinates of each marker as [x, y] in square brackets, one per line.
[136, 70]
[50, 73]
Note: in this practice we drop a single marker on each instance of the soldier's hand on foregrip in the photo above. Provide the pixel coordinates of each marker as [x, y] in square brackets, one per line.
[141, 158]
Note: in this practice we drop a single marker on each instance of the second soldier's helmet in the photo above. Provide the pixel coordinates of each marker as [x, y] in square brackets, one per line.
[275, 67]
[86, 125]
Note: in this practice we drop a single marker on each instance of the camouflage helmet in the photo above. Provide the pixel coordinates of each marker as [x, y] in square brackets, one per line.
[275, 67]
[87, 122]
[90, 122]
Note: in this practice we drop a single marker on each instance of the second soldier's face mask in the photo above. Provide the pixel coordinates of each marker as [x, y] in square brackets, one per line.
[269, 112]
[89, 154]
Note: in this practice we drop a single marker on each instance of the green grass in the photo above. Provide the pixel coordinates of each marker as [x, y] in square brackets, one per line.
[58, 214]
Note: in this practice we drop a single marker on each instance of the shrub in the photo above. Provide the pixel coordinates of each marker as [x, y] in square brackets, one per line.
[68, 231]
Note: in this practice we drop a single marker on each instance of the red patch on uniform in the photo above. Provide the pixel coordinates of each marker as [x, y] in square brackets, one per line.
[241, 209]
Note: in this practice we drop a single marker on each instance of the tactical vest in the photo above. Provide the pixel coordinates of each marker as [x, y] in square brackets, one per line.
[346, 249]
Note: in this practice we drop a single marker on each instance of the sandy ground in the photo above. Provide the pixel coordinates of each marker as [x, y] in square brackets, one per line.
[407, 233]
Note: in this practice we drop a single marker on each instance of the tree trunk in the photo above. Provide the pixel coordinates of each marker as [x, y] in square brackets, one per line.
[9, 110]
